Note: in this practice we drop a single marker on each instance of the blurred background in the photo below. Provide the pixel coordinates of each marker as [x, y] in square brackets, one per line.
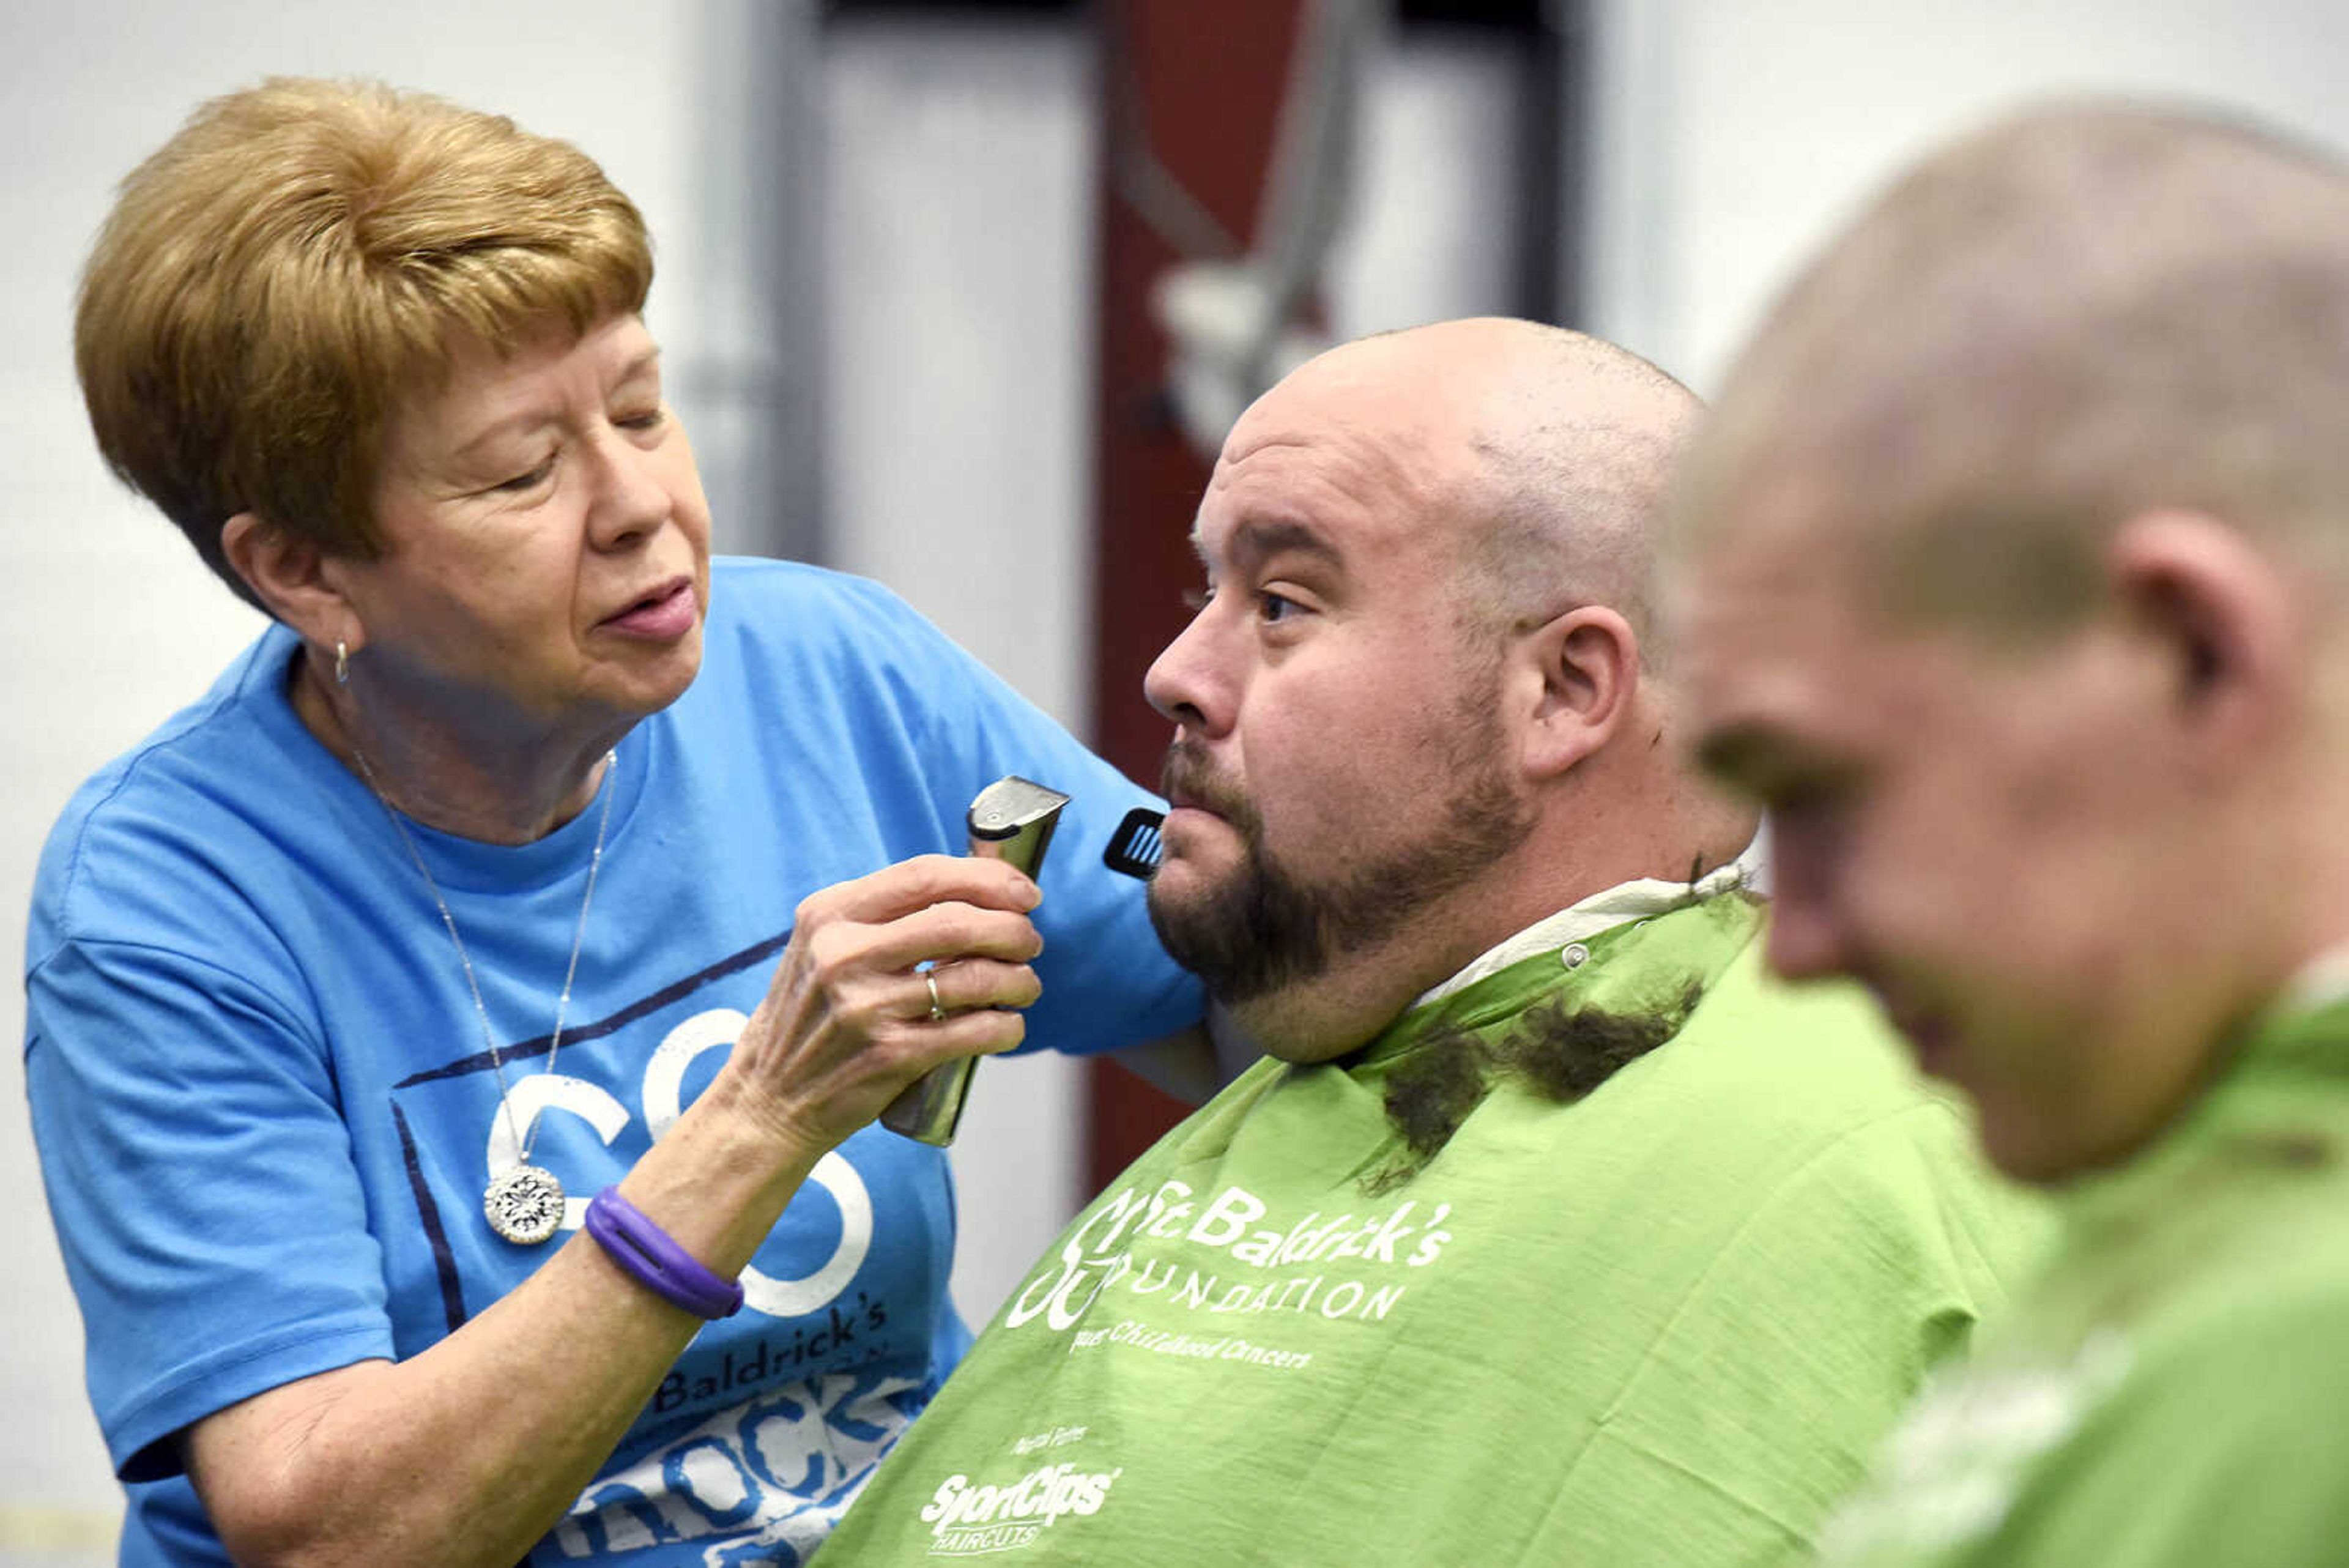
[959, 297]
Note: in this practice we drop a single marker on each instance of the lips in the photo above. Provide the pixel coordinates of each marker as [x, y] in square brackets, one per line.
[666, 613]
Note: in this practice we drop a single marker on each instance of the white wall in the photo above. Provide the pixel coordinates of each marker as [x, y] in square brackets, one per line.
[1731, 135]
[957, 224]
[1430, 234]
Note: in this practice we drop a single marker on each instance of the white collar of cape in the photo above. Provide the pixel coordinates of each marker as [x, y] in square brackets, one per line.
[2320, 983]
[1634, 900]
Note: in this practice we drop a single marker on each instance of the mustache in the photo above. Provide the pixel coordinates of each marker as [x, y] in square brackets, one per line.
[1188, 774]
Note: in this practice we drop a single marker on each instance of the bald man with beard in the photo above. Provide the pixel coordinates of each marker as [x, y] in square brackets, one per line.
[1547, 1231]
[2018, 579]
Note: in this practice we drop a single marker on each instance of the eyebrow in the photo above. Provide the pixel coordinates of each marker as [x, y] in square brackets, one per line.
[1756, 760]
[1255, 539]
[1738, 753]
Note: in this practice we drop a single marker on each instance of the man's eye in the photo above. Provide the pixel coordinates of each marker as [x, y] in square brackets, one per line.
[1273, 606]
[1196, 600]
[1816, 802]
[652, 418]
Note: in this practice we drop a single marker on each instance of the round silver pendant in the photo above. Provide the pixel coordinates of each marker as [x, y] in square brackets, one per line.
[525, 1205]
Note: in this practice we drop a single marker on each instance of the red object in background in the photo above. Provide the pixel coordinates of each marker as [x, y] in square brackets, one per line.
[1191, 95]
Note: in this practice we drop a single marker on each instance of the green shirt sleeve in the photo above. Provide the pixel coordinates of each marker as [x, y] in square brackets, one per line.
[2229, 1446]
[1866, 1267]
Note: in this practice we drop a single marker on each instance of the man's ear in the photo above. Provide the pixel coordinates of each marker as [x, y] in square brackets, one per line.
[2219, 608]
[293, 579]
[1584, 671]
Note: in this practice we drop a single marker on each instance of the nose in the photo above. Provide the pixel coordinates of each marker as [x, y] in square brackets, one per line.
[633, 493]
[1181, 682]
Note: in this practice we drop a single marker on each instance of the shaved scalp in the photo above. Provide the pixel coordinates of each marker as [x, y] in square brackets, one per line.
[1570, 444]
[1577, 448]
[2086, 313]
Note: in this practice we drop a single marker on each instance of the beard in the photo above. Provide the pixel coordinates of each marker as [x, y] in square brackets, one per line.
[1267, 926]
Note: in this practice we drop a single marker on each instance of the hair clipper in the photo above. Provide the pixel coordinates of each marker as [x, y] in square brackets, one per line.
[1010, 820]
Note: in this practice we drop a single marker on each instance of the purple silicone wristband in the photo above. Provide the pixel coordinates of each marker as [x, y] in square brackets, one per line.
[652, 1255]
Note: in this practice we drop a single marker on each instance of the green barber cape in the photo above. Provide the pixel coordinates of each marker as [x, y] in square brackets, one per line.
[2174, 1391]
[1620, 1256]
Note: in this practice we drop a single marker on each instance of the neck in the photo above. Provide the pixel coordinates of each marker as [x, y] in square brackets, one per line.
[1672, 833]
[514, 790]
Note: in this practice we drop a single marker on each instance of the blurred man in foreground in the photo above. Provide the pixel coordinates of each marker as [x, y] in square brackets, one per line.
[1548, 1230]
[2019, 564]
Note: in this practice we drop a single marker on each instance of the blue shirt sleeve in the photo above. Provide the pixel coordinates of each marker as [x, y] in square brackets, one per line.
[200, 1174]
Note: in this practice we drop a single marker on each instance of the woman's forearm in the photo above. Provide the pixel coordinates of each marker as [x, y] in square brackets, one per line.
[473, 1449]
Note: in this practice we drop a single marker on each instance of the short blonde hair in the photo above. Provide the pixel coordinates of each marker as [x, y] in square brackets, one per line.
[297, 260]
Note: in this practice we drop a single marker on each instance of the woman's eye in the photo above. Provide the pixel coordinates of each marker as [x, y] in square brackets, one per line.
[530, 481]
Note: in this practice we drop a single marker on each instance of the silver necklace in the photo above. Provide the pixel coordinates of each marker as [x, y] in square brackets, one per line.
[523, 1202]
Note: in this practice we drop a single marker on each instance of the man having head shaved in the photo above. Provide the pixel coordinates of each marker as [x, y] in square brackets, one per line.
[1548, 1230]
[2019, 585]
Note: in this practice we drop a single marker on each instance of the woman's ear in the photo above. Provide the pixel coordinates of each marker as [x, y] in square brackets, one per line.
[1586, 664]
[292, 579]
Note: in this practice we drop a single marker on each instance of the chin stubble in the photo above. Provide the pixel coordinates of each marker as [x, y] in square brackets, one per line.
[1265, 928]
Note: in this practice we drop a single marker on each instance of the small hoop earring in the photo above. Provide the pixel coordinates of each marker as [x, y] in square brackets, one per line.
[341, 663]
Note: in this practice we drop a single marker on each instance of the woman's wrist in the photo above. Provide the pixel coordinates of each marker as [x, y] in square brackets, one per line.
[719, 1177]
[774, 1129]
[654, 1259]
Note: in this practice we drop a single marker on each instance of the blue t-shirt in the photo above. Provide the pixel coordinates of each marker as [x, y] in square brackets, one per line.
[265, 1113]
